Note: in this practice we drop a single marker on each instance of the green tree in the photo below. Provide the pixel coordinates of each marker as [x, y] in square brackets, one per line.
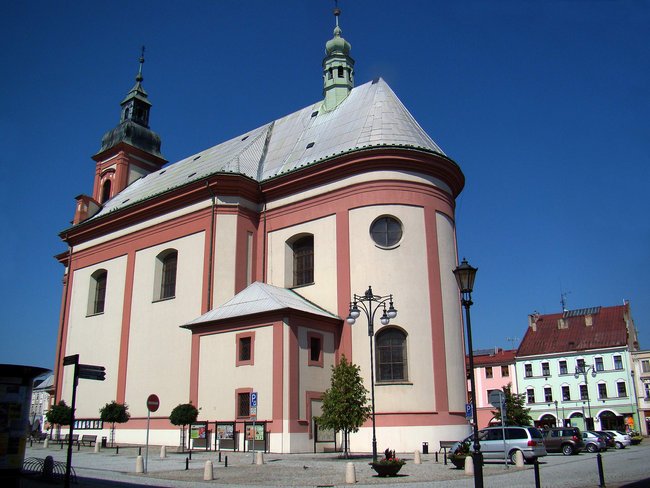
[345, 402]
[183, 414]
[60, 414]
[114, 413]
[516, 412]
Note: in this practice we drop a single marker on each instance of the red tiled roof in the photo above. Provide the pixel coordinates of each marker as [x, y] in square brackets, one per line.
[608, 329]
[500, 357]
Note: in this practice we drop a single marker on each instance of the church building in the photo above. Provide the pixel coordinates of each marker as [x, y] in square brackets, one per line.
[232, 271]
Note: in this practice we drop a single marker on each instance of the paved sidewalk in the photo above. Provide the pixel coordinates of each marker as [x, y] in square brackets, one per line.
[108, 469]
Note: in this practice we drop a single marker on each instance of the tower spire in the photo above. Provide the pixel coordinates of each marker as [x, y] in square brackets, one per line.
[338, 67]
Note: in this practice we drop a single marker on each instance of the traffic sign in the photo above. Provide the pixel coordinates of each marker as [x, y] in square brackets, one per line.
[254, 399]
[153, 402]
[469, 413]
[496, 398]
[92, 372]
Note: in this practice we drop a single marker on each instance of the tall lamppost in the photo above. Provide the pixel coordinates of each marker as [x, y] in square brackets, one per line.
[369, 303]
[584, 370]
[465, 275]
[557, 416]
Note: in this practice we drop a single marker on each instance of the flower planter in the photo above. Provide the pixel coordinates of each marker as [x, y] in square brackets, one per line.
[458, 460]
[388, 469]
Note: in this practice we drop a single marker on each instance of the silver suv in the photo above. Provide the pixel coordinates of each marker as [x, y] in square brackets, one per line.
[528, 440]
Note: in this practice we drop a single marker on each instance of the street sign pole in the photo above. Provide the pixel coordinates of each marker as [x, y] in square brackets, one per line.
[253, 407]
[152, 405]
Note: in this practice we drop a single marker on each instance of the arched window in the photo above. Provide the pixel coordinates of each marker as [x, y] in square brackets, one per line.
[390, 345]
[106, 191]
[165, 283]
[303, 260]
[97, 292]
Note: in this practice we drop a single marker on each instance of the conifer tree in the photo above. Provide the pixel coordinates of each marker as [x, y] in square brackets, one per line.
[345, 402]
[516, 412]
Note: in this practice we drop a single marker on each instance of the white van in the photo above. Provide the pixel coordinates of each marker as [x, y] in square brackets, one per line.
[529, 440]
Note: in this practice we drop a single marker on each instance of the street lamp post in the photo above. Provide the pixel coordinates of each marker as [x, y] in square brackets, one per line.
[584, 370]
[465, 275]
[557, 415]
[369, 303]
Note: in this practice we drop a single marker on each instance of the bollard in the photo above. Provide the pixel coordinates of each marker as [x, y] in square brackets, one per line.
[46, 443]
[96, 446]
[139, 450]
[469, 465]
[163, 452]
[187, 464]
[259, 458]
[416, 457]
[61, 445]
[601, 473]
[350, 473]
[31, 442]
[226, 463]
[445, 457]
[219, 456]
[436, 457]
[519, 459]
[139, 465]
[190, 454]
[117, 450]
[207, 471]
[536, 468]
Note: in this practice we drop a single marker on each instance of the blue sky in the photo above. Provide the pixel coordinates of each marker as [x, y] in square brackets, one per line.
[544, 105]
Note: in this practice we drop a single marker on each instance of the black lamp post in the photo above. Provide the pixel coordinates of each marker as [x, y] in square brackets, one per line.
[583, 370]
[557, 416]
[465, 275]
[370, 303]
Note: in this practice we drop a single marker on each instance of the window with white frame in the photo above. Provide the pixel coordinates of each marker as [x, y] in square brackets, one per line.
[621, 388]
[566, 393]
[530, 395]
[645, 365]
[646, 386]
[165, 275]
[598, 363]
[546, 369]
[97, 292]
[580, 365]
[548, 394]
[584, 393]
[563, 367]
[602, 390]
[528, 370]
[505, 372]
[618, 362]
[488, 372]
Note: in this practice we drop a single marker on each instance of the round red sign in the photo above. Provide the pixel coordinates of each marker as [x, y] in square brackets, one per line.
[153, 403]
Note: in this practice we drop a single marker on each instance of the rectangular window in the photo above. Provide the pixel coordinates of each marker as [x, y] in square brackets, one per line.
[488, 372]
[645, 366]
[546, 370]
[530, 395]
[528, 368]
[584, 394]
[563, 367]
[566, 393]
[505, 371]
[315, 345]
[243, 404]
[580, 365]
[618, 362]
[548, 394]
[602, 390]
[245, 349]
[599, 364]
[647, 390]
[622, 389]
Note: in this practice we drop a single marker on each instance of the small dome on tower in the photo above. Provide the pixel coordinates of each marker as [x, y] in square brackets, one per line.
[337, 44]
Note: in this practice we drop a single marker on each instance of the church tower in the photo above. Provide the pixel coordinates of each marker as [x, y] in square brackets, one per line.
[128, 152]
[338, 68]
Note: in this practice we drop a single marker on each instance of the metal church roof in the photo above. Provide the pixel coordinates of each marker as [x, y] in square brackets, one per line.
[371, 116]
[258, 298]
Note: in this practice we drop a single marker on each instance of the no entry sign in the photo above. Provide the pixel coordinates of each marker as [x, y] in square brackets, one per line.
[153, 403]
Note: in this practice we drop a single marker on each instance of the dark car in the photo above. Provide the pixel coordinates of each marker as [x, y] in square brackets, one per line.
[567, 440]
[609, 438]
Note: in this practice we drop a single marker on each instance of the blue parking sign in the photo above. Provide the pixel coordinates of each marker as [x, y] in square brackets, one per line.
[468, 411]
[254, 399]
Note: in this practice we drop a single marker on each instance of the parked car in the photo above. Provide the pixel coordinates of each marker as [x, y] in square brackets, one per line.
[527, 439]
[594, 442]
[567, 440]
[609, 438]
[621, 439]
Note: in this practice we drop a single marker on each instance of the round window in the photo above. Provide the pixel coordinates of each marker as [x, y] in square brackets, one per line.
[386, 231]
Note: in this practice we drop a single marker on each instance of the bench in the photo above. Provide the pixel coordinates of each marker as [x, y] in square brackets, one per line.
[90, 439]
[444, 445]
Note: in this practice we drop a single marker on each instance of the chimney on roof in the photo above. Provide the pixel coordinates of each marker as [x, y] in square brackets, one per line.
[589, 320]
[532, 321]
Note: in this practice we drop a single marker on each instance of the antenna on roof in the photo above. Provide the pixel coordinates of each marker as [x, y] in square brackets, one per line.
[563, 301]
[513, 341]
